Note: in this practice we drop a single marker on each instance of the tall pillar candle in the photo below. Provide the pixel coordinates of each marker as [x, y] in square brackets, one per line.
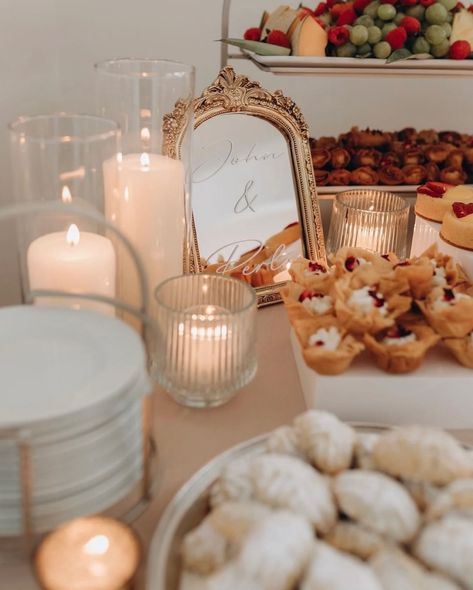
[73, 262]
[144, 196]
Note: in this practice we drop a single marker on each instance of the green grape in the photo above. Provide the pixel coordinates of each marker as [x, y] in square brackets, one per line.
[436, 14]
[386, 12]
[379, 23]
[371, 9]
[388, 27]
[382, 50]
[364, 20]
[435, 34]
[359, 35]
[398, 18]
[346, 50]
[417, 11]
[364, 50]
[441, 49]
[449, 4]
[421, 45]
[374, 35]
[447, 27]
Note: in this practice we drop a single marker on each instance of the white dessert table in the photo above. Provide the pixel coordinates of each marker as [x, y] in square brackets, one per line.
[188, 438]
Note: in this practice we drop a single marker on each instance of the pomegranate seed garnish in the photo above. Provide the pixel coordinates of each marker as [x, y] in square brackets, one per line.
[448, 295]
[351, 263]
[316, 267]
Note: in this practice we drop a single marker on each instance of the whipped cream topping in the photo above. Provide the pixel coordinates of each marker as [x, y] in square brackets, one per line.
[318, 303]
[367, 299]
[440, 278]
[328, 339]
[399, 340]
[448, 298]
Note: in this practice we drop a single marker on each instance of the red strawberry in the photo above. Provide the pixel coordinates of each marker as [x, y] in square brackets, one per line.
[427, 3]
[330, 3]
[340, 8]
[393, 2]
[459, 6]
[253, 34]
[409, 2]
[321, 8]
[460, 50]
[360, 5]
[278, 38]
[348, 17]
[434, 189]
[338, 35]
[462, 209]
[411, 24]
[396, 38]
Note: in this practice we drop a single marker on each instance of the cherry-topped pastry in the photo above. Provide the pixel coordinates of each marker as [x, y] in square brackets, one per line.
[457, 225]
[434, 199]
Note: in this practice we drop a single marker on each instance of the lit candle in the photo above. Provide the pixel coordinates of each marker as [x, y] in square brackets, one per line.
[74, 262]
[93, 553]
[144, 196]
[204, 345]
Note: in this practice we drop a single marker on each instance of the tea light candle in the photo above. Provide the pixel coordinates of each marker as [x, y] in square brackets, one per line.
[93, 553]
[204, 344]
[144, 196]
[73, 262]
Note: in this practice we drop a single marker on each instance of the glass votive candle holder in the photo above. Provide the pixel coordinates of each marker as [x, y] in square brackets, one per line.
[371, 219]
[206, 338]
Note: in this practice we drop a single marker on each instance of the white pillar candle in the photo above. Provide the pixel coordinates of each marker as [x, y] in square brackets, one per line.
[94, 553]
[74, 262]
[144, 196]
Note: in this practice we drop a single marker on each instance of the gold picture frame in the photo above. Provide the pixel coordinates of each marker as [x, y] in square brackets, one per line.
[234, 93]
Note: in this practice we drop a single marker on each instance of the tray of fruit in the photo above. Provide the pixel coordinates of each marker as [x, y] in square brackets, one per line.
[406, 34]
[402, 159]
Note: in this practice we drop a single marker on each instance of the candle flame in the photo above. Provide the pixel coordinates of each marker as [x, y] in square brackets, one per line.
[145, 134]
[97, 545]
[144, 160]
[66, 194]
[73, 235]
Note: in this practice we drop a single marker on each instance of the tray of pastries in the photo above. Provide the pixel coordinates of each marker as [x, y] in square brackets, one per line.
[321, 504]
[402, 159]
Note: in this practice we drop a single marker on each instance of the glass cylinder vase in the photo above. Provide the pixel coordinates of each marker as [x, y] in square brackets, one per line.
[206, 336]
[59, 158]
[371, 219]
[147, 188]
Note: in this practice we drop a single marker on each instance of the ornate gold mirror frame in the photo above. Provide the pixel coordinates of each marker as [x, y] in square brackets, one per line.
[231, 93]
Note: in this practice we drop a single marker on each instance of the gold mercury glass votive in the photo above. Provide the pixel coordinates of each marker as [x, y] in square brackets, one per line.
[91, 553]
[372, 219]
[205, 349]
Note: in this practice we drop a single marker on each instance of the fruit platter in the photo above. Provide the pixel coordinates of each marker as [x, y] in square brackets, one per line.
[411, 35]
[402, 159]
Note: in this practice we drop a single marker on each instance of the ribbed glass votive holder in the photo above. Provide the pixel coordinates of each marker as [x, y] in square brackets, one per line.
[205, 349]
[371, 219]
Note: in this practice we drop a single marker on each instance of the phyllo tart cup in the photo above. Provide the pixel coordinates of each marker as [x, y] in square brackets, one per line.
[367, 308]
[353, 260]
[462, 349]
[402, 348]
[449, 312]
[313, 275]
[305, 303]
[327, 348]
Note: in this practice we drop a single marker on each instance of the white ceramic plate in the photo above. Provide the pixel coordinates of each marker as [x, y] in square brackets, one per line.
[62, 362]
[293, 61]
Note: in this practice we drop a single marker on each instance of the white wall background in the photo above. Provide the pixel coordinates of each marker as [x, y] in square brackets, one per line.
[48, 47]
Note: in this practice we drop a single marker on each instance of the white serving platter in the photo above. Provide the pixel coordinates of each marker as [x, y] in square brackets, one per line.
[356, 66]
[439, 393]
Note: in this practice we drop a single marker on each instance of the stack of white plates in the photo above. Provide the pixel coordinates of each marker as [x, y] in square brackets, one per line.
[72, 384]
